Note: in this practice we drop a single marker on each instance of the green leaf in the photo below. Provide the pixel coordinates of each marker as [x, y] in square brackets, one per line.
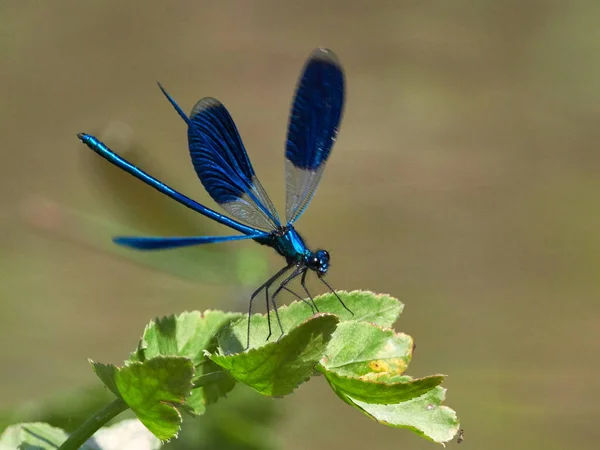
[33, 436]
[108, 375]
[380, 309]
[367, 307]
[152, 389]
[372, 371]
[425, 415]
[383, 392]
[277, 368]
[189, 334]
[360, 349]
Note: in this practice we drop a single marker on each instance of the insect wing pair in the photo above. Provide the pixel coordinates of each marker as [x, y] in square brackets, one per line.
[222, 164]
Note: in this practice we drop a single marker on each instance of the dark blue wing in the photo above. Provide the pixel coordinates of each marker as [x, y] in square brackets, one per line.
[313, 127]
[223, 166]
[163, 243]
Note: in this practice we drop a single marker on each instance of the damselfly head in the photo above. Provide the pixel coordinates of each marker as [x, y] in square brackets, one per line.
[318, 261]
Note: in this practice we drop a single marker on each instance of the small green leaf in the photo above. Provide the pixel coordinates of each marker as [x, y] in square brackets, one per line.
[372, 371]
[108, 375]
[277, 368]
[152, 389]
[425, 415]
[189, 334]
[360, 349]
[383, 392]
[33, 436]
[380, 309]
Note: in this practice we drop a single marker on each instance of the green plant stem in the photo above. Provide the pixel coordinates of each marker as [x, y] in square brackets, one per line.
[209, 378]
[93, 424]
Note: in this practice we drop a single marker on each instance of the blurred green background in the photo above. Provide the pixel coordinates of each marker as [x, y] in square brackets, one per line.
[465, 182]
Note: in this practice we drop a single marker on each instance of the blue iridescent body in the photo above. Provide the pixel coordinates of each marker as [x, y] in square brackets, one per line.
[222, 164]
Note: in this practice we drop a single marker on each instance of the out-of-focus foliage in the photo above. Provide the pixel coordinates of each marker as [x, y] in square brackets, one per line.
[245, 421]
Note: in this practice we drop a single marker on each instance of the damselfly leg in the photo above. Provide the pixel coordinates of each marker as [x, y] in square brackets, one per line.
[264, 286]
